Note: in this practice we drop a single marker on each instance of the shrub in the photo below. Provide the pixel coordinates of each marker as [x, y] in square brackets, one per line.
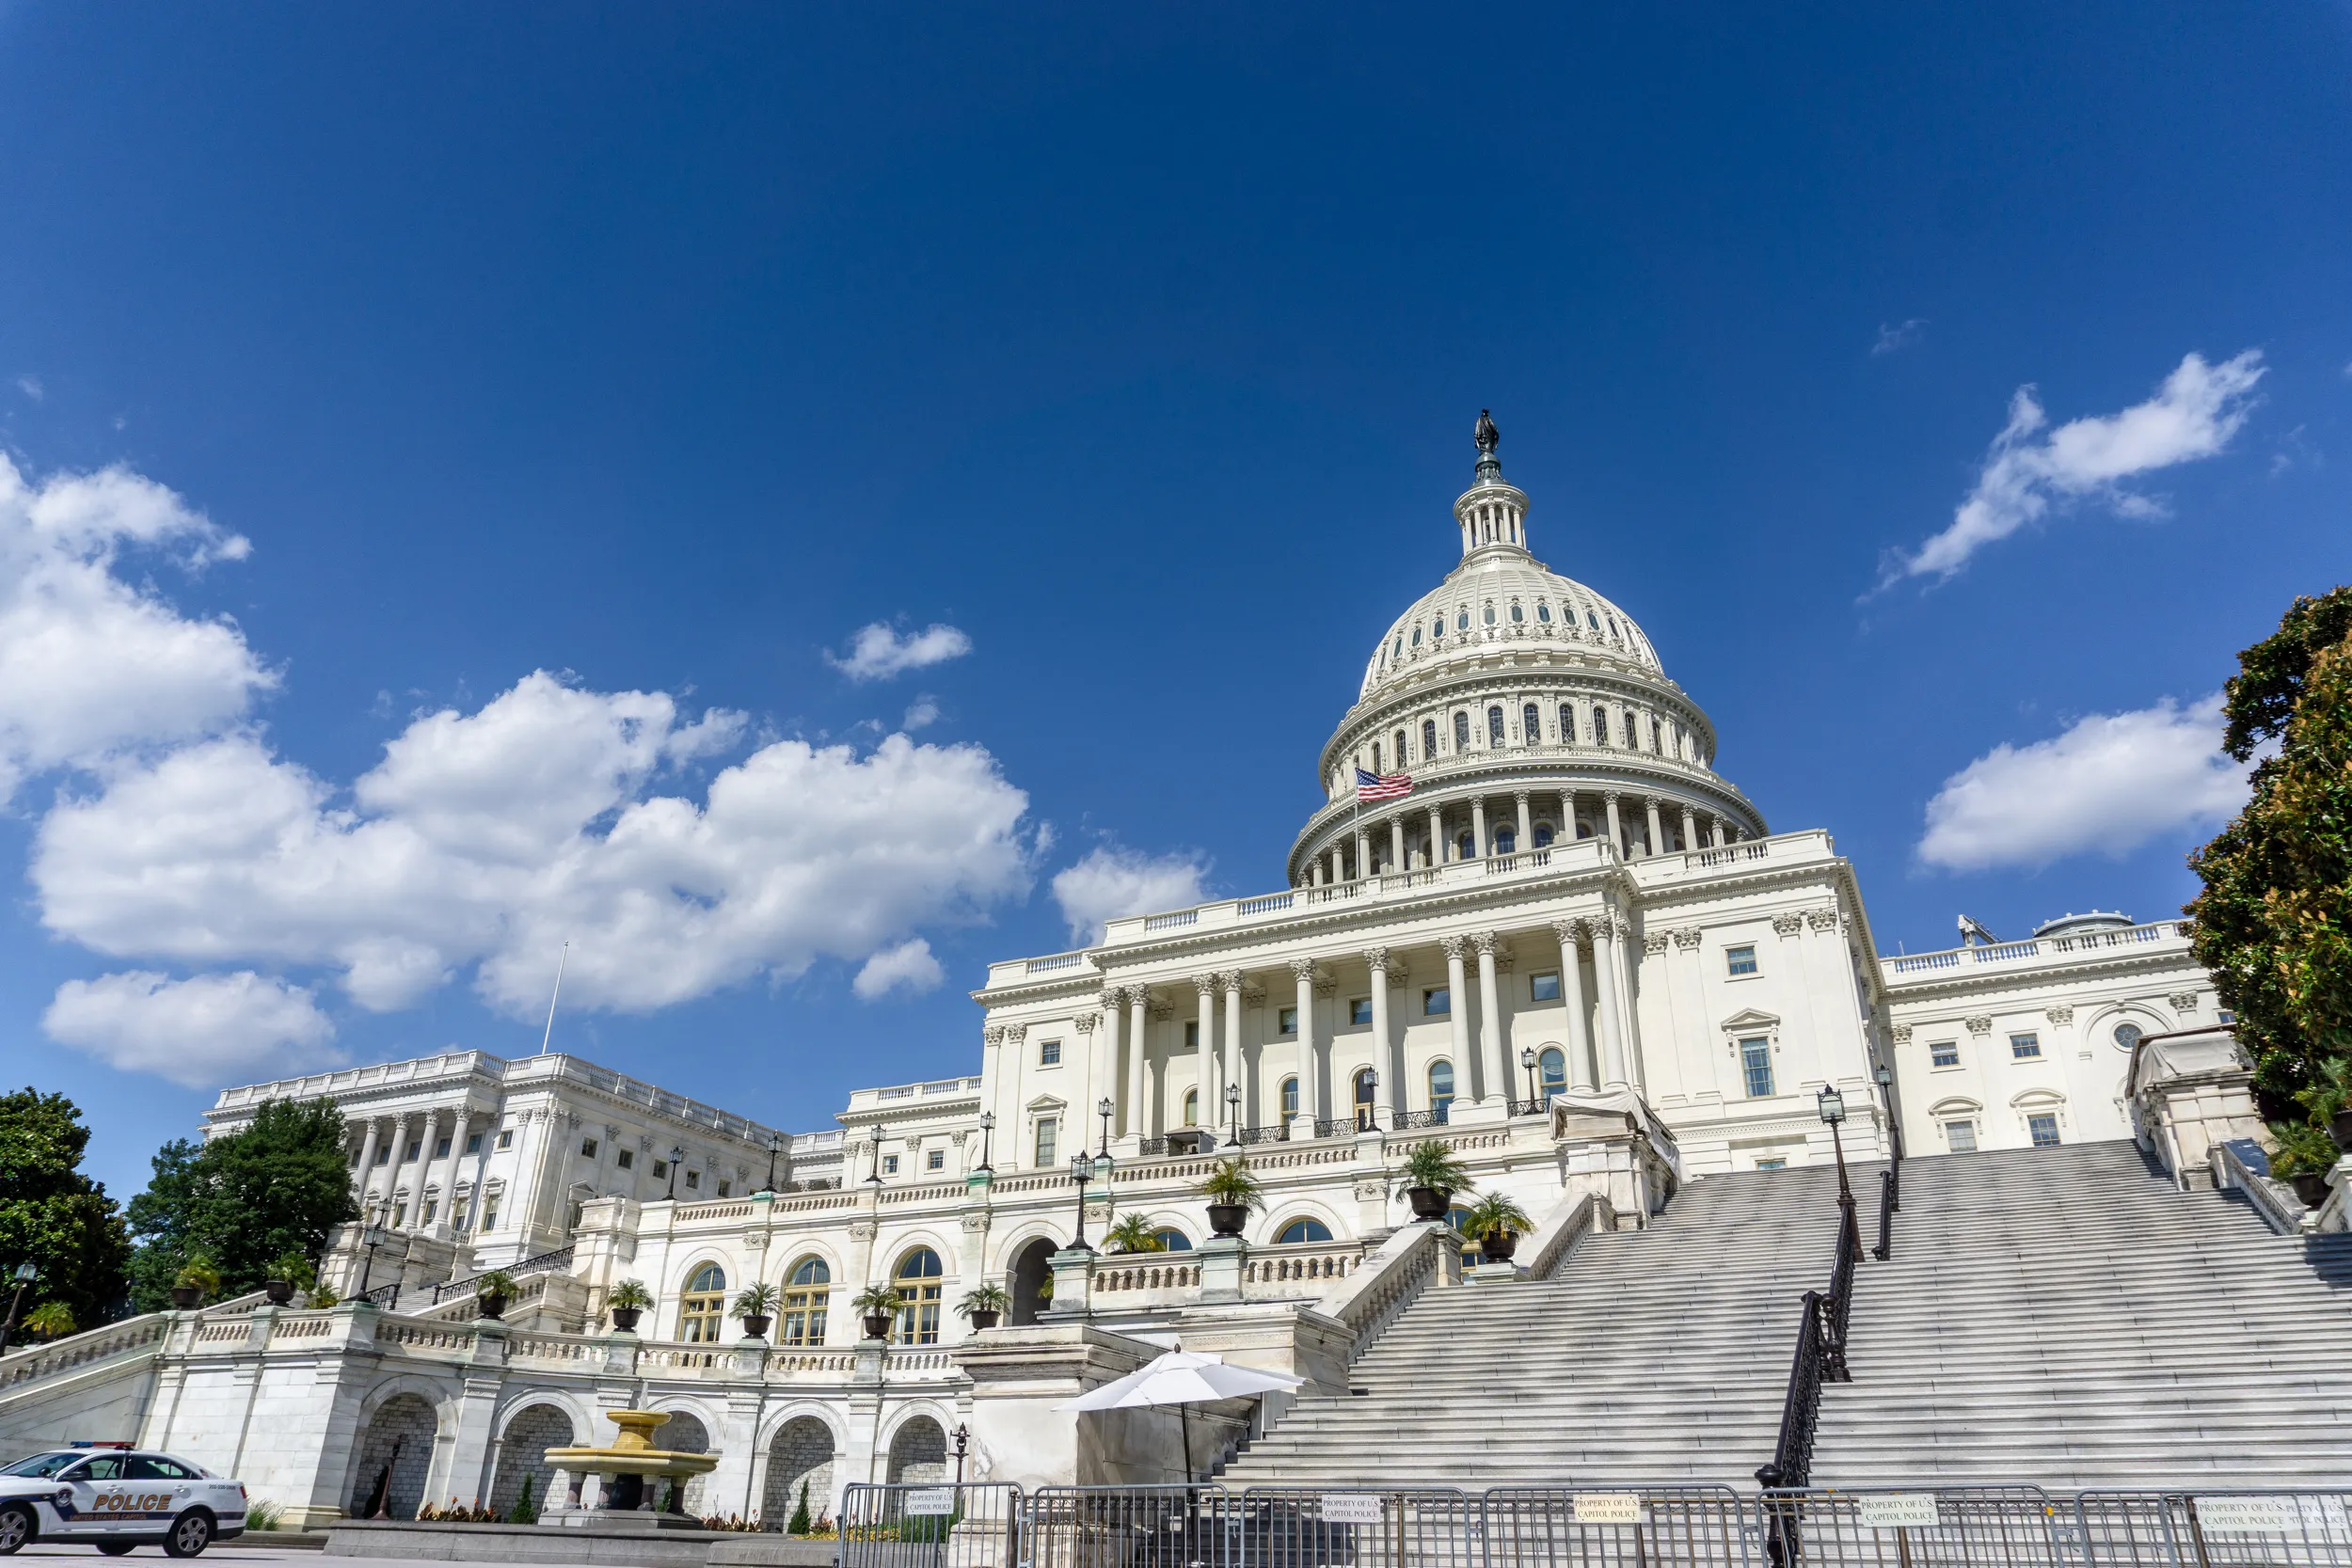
[755, 1300]
[629, 1295]
[990, 1297]
[1432, 1163]
[1493, 1212]
[1229, 1182]
[799, 1522]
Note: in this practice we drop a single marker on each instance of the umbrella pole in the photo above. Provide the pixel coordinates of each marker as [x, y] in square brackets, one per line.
[1183, 1420]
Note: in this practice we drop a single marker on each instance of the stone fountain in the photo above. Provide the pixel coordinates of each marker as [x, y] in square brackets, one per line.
[617, 1488]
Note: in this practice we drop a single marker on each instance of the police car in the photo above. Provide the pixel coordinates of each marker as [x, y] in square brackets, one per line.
[113, 1496]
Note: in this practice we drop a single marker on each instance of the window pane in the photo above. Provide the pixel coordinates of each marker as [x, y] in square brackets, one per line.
[1546, 986]
[1944, 1053]
[2024, 1047]
[1755, 1062]
[1359, 1009]
[2045, 1132]
[1286, 1022]
[1290, 1097]
[1740, 960]
[1962, 1135]
[1437, 1002]
[1049, 1054]
[1048, 1130]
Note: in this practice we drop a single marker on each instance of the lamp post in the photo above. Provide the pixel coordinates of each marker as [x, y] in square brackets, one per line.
[677, 1157]
[25, 1274]
[1527, 1060]
[1233, 1111]
[1833, 1109]
[775, 1147]
[1082, 1172]
[988, 1140]
[1103, 1108]
[873, 1168]
[963, 1437]
[1368, 1118]
[1886, 1076]
[370, 1237]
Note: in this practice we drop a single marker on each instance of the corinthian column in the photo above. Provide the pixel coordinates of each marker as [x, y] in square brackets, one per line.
[367, 1163]
[1491, 1043]
[1527, 829]
[1657, 833]
[1205, 986]
[1304, 971]
[1605, 935]
[1138, 1113]
[1616, 834]
[1230, 979]
[1377, 960]
[1458, 1013]
[1572, 995]
[1107, 1057]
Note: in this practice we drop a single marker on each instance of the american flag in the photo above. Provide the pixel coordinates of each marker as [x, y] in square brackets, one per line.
[1382, 787]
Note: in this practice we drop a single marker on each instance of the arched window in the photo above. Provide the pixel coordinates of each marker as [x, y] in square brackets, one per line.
[1375, 758]
[1469, 848]
[1416, 636]
[1530, 724]
[1612, 626]
[1192, 1107]
[1397, 651]
[1437, 628]
[1461, 619]
[917, 1283]
[1290, 1097]
[1429, 738]
[1553, 1068]
[1401, 753]
[1304, 1231]
[700, 1306]
[1506, 840]
[1543, 836]
[1592, 619]
[1629, 741]
[1172, 1240]
[1600, 725]
[805, 1291]
[1543, 612]
[1461, 731]
[1364, 1085]
[1655, 743]
[1517, 614]
[1494, 724]
[1488, 613]
[1440, 1087]
[1568, 725]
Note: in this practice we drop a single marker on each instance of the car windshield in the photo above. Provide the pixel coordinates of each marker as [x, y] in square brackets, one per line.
[44, 1464]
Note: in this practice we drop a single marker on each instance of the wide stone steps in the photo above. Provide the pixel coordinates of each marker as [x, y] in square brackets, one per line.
[2058, 1315]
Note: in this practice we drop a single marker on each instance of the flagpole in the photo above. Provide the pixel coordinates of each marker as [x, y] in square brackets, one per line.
[548, 1033]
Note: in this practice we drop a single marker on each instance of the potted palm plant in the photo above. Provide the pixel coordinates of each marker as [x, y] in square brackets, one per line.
[2329, 1102]
[1431, 1176]
[196, 1280]
[2306, 1155]
[1497, 1223]
[755, 1308]
[1132, 1234]
[291, 1272]
[50, 1320]
[492, 1292]
[983, 1305]
[1233, 1193]
[876, 1306]
[627, 1302]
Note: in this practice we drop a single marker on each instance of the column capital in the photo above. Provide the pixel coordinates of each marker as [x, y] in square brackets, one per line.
[1303, 970]
[1522, 796]
[1612, 796]
[1376, 960]
[1455, 947]
[1231, 979]
[1486, 943]
[1084, 1022]
[1110, 999]
[1016, 1033]
[1570, 932]
[1138, 996]
[1205, 983]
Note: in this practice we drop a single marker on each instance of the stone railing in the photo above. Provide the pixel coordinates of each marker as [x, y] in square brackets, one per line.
[919, 1361]
[225, 1331]
[2273, 1200]
[418, 1336]
[1574, 1217]
[937, 1193]
[131, 1335]
[2013, 952]
[1389, 1280]
[808, 1361]
[553, 1347]
[677, 1358]
[1129, 1272]
[301, 1326]
[706, 1213]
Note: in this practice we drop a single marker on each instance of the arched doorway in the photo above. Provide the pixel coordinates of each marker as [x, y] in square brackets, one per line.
[918, 1453]
[1031, 1269]
[799, 1456]
[685, 1434]
[535, 1428]
[394, 1454]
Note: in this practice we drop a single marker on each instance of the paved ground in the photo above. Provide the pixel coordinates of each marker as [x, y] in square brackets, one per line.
[237, 1552]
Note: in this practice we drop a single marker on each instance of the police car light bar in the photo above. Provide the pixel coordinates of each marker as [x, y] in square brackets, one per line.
[103, 1443]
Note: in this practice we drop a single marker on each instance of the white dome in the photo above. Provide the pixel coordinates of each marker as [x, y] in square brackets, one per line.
[1501, 598]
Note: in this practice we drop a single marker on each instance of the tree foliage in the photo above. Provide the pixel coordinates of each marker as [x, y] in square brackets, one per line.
[52, 1215]
[2274, 923]
[244, 1201]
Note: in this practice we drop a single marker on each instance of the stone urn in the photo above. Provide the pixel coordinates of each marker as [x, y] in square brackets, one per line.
[877, 1325]
[1227, 1219]
[983, 1319]
[279, 1291]
[625, 1319]
[184, 1297]
[2339, 1128]
[2311, 1186]
[756, 1326]
[492, 1303]
[1429, 1203]
[1498, 1246]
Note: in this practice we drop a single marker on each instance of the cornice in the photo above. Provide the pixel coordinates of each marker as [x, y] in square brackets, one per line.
[2068, 969]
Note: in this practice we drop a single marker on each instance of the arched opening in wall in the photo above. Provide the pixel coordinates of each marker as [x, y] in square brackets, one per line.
[1031, 1272]
[800, 1462]
[918, 1280]
[685, 1434]
[700, 1305]
[522, 1459]
[1192, 1107]
[1543, 836]
[1172, 1240]
[1506, 840]
[918, 1453]
[1600, 725]
[1364, 1086]
[1461, 731]
[1469, 845]
[1553, 1068]
[1440, 1089]
[1303, 1230]
[394, 1454]
[1428, 739]
[1494, 725]
[1290, 1098]
[807, 1292]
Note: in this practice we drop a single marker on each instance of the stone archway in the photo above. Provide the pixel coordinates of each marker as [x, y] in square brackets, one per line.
[395, 1454]
[918, 1453]
[1030, 1270]
[523, 1450]
[800, 1455]
[685, 1434]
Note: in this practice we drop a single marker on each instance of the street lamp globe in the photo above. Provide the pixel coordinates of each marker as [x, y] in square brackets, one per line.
[1832, 1105]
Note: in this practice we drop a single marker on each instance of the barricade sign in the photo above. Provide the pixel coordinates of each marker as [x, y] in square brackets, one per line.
[1352, 1508]
[931, 1499]
[2262, 1529]
[1897, 1510]
[1963, 1527]
[1611, 1508]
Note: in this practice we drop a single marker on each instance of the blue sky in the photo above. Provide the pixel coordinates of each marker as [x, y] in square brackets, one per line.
[664, 349]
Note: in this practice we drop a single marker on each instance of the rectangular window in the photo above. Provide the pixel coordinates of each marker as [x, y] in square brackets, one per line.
[432, 1206]
[1286, 1022]
[1740, 960]
[935, 1160]
[506, 1138]
[587, 1149]
[2044, 1130]
[1049, 1054]
[473, 1143]
[625, 1158]
[440, 1149]
[1962, 1136]
[1359, 1009]
[1437, 1002]
[400, 1216]
[726, 1189]
[489, 1213]
[1756, 1063]
[890, 1164]
[1544, 987]
[2225, 1016]
[457, 1215]
[416, 1146]
[660, 1170]
[1048, 1132]
[693, 1181]
[2023, 1047]
[1944, 1053]
[384, 1155]
[1192, 1033]
[1779, 1162]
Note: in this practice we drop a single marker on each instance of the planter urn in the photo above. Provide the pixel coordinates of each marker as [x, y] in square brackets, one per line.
[983, 1319]
[1227, 1219]
[491, 1305]
[756, 1326]
[2312, 1187]
[625, 1319]
[1498, 1246]
[184, 1297]
[1429, 1203]
[280, 1291]
[877, 1325]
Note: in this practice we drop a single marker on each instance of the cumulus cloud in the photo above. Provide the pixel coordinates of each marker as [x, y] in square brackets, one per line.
[921, 714]
[91, 666]
[1112, 883]
[908, 966]
[880, 651]
[197, 1032]
[2108, 785]
[490, 838]
[1894, 339]
[2194, 414]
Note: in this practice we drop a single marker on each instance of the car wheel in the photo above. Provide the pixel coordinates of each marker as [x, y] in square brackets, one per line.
[16, 1527]
[190, 1534]
[118, 1548]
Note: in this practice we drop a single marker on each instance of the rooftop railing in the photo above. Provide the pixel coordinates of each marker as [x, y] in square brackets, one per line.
[2076, 944]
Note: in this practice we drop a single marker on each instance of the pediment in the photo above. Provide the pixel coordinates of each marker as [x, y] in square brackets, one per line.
[1048, 1103]
[1749, 1018]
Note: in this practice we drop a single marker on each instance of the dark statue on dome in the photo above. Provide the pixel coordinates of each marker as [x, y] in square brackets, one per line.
[1486, 435]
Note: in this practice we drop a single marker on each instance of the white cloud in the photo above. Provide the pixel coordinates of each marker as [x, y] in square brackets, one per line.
[1113, 882]
[879, 651]
[30, 386]
[489, 839]
[1894, 339]
[2108, 785]
[89, 665]
[198, 1032]
[921, 714]
[909, 965]
[2195, 413]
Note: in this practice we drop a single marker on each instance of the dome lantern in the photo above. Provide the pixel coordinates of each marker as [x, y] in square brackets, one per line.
[1492, 512]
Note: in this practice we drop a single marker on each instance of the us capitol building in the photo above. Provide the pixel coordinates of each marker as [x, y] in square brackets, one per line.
[1573, 950]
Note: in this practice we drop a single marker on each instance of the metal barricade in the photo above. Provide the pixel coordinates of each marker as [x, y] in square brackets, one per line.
[2261, 1528]
[1130, 1527]
[1301, 1526]
[977, 1524]
[1964, 1526]
[2129, 1529]
[1639, 1526]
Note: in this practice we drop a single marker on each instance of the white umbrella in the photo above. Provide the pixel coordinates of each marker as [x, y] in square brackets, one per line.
[1182, 1377]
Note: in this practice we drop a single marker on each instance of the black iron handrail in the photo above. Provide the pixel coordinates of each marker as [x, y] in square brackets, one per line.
[1839, 1303]
[1791, 1465]
[1885, 1249]
[1335, 1126]
[1278, 1134]
[1527, 1107]
[545, 1263]
[1434, 1117]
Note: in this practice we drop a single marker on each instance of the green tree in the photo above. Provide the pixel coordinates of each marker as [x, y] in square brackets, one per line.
[52, 1215]
[244, 1201]
[2274, 923]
